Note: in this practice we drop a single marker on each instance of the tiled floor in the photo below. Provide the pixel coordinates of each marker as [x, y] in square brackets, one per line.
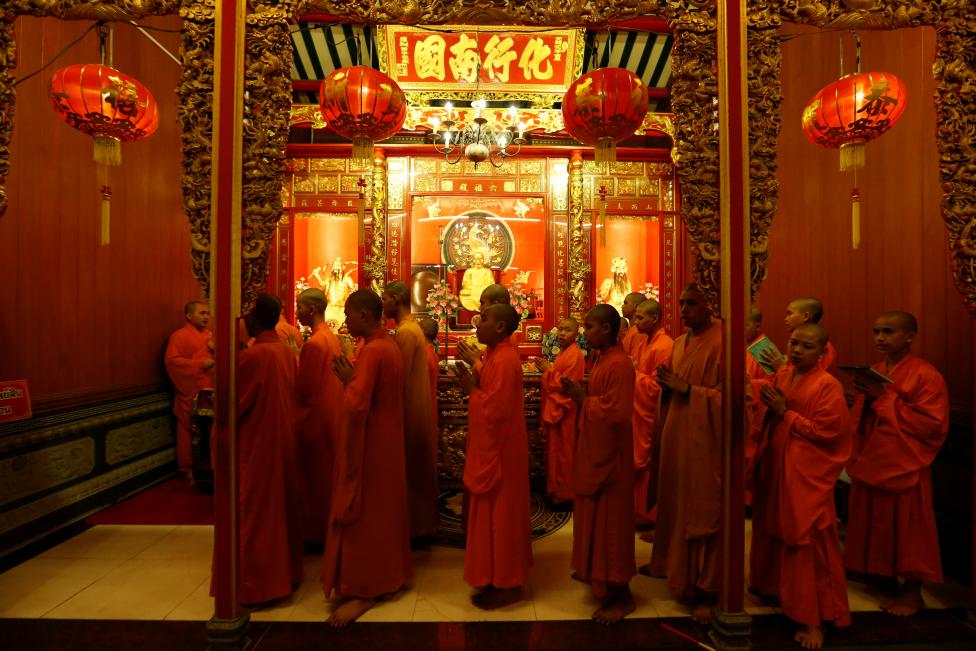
[163, 573]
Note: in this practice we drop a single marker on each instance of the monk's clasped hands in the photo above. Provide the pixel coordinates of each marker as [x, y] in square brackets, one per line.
[464, 377]
[541, 364]
[343, 369]
[468, 352]
[774, 399]
[668, 379]
[573, 389]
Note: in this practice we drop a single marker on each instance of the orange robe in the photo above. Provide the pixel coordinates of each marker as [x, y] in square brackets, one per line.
[631, 340]
[286, 330]
[419, 431]
[433, 367]
[270, 521]
[367, 546]
[603, 476]
[891, 525]
[757, 377]
[317, 389]
[652, 352]
[496, 475]
[559, 421]
[186, 353]
[687, 443]
[796, 552]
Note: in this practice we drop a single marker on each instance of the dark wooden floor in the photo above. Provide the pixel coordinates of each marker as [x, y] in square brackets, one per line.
[936, 629]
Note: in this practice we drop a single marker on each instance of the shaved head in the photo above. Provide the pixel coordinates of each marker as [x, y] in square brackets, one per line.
[907, 319]
[816, 330]
[267, 309]
[809, 305]
[635, 298]
[366, 299]
[429, 326]
[650, 307]
[191, 307]
[315, 298]
[606, 314]
[506, 314]
[570, 322]
[399, 291]
[692, 288]
[496, 295]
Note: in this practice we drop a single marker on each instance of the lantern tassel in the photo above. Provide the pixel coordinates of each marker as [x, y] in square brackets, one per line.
[105, 204]
[855, 219]
[108, 150]
[362, 147]
[851, 156]
[361, 212]
[605, 151]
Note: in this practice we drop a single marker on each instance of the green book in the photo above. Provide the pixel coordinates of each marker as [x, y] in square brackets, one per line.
[756, 350]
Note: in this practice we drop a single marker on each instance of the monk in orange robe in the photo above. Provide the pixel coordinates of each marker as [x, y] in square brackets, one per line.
[491, 295]
[603, 475]
[891, 528]
[189, 364]
[631, 338]
[653, 351]
[498, 552]
[317, 422]
[419, 431]
[804, 310]
[367, 546]
[559, 410]
[687, 445]
[802, 449]
[429, 326]
[270, 520]
[289, 334]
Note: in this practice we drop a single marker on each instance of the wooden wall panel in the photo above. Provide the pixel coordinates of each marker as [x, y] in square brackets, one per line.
[79, 319]
[903, 261]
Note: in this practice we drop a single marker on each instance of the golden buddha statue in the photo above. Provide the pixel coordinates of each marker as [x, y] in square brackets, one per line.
[476, 278]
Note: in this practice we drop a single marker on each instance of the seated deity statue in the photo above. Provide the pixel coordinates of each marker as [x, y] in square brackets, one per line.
[338, 285]
[614, 290]
[476, 278]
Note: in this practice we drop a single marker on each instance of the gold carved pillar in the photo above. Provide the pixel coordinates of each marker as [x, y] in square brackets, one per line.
[376, 255]
[579, 266]
[8, 58]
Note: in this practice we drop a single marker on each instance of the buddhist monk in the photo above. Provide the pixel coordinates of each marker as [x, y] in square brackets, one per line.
[317, 389]
[799, 311]
[891, 528]
[754, 335]
[367, 548]
[419, 432]
[802, 449]
[429, 326]
[631, 337]
[498, 552]
[559, 410]
[492, 295]
[687, 443]
[270, 518]
[603, 474]
[289, 334]
[653, 350]
[189, 364]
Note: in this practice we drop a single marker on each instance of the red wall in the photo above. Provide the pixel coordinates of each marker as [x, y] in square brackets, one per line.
[78, 320]
[903, 262]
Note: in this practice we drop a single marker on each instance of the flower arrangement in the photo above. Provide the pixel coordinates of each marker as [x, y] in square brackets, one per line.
[651, 291]
[522, 300]
[442, 302]
[550, 344]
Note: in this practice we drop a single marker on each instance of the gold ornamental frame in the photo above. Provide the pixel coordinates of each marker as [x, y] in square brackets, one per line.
[268, 60]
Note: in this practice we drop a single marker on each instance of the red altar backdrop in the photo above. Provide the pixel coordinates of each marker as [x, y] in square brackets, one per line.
[635, 241]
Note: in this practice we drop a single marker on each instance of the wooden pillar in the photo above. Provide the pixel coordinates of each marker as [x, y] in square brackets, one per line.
[376, 256]
[579, 268]
[227, 629]
[731, 629]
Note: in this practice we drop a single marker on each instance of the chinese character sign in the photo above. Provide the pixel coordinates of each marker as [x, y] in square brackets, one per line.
[492, 59]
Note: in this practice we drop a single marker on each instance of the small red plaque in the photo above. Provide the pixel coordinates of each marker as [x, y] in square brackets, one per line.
[14, 400]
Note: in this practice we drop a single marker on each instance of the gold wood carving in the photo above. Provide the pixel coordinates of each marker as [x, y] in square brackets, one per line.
[8, 58]
[579, 265]
[33, 472]
[135, 439]
[375, 265]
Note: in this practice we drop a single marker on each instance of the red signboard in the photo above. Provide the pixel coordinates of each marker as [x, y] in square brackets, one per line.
[491, 60]
[14, 400]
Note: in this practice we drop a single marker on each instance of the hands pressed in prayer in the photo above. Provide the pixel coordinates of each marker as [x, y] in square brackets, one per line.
[770, 358]
[346, 345]
[464, 377]
[573, 389]
[468, 352]
[208, 364]
[871, 388]
[774, 399]
[343, 369]
[211, 346]
[292, 344]
[669, 380]
[542, 364]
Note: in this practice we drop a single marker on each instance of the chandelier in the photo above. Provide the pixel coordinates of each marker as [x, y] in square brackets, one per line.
[478, 140]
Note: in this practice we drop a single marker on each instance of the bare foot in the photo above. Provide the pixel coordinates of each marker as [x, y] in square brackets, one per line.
[810, 637]
[647, 536]
[702, 613]
[616, 607]
[349, 611]
[904, 605]
[491, 597]
[645, 570]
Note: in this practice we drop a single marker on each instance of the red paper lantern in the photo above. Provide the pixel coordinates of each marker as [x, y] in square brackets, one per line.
[852, 111]
[603, 107]
[104, 103]
[364, 105]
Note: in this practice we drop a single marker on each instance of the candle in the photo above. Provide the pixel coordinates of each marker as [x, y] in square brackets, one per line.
[512, 114]
[450, 110]
[435, 123]
[521, 129]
